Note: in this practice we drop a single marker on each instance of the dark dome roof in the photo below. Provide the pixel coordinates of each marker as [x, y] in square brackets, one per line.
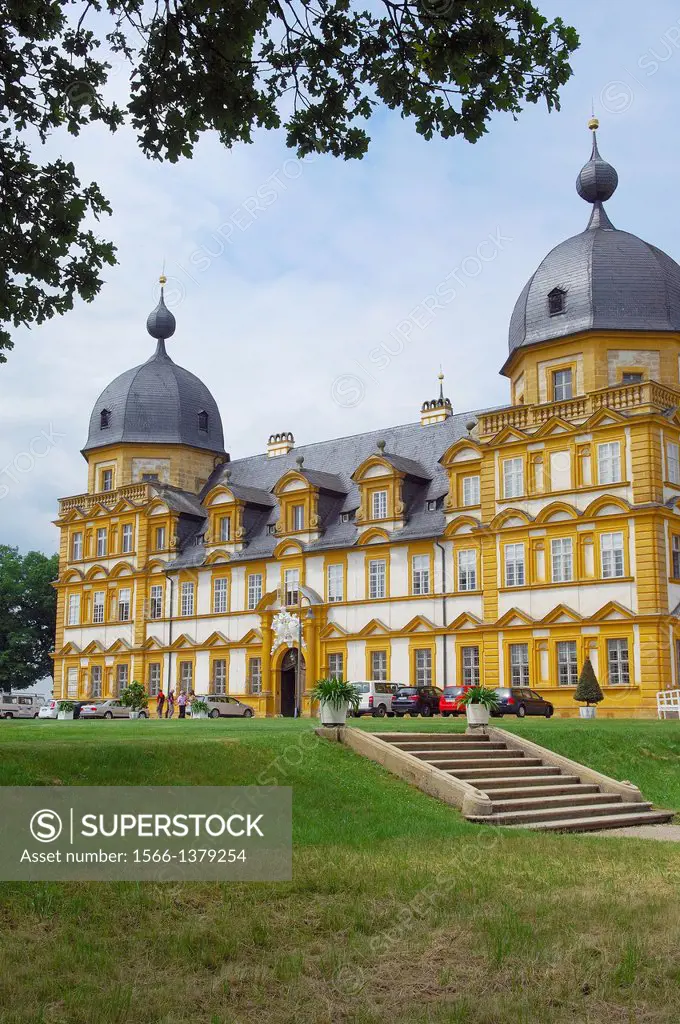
[158, 402]
[610, 279]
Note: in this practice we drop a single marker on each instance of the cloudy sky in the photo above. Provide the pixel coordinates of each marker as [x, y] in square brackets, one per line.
[302, 291]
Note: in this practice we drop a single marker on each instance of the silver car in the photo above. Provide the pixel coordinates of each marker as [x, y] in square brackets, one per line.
[25, 705]
[107, 709]
[223, 706]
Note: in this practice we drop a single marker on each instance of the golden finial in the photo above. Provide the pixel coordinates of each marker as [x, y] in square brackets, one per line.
[162, 279]
[593, 124]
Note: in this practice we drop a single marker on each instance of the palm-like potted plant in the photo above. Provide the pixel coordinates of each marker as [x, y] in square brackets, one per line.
[65, 709]
[588, 690]
[335, 697]
[479, 702]
[135, 698]
[199, 708]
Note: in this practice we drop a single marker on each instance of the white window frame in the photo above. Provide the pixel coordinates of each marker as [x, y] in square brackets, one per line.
[298, 517]
[220, 595]
[562, 560]
[107, 476]
[515, 566]
[471, 491]
[519, 665]
[102, 540]
[72, 682]
[563, 389]
[291, 587]
[77, 546]
[609, 462]
[470, 665]
[336, 582]
[124, 599]
[567, 663]
[187, 592]
[612, 560]
[254, 589]
[154, 678]
[74, 609]
[423, 666]
[98, 606]
[126, 538]
[618, 662]
[122, 677]
[675, 556]
[96, 676]
[156, 601]
[378, 666]
[379, 505]
[186, 676]
[420, 574]
[160, 538]
[467, 569]
[219, 676]
[225, 529]
[336, 665]
[377, 579]
[672, 462]
[255, 675]
[513, 478]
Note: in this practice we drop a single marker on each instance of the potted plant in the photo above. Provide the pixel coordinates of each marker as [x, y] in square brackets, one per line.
[134, 697]
[335, 697]
[65, 709]
[479, 702]
[588, 690]
[199, 708]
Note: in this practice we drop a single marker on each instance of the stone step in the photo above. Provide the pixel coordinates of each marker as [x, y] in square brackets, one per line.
[465, 754]
[596, 824]
[569, 812]
[412, 737]
[555, 800]
[537, 782]
[520, 792]
[486, 764]
[488, 774]
[412, 748]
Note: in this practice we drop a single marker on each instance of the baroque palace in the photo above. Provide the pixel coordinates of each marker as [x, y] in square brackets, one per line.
[503, 546]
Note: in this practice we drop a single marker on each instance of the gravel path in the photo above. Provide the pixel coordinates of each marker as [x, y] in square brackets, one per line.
[670, 833]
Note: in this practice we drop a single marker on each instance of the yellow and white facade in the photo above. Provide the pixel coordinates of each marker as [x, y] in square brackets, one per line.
[504, 546]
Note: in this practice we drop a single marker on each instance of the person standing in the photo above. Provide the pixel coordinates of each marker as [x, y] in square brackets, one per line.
[170, 705]
[160, 701]
[182, 704]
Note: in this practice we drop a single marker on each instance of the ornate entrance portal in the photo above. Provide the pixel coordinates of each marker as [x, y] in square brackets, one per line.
[288, 673]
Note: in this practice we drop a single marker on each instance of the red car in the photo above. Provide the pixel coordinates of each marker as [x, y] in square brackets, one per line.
[448, 702]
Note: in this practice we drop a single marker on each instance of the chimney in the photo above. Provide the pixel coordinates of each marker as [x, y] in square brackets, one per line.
[280, 444]
[436, 410]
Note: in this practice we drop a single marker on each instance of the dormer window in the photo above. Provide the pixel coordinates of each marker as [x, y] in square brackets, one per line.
[379, 504]
[347, 517]
[431, 505]
[203, 421]
[556, 301]
[104, 419]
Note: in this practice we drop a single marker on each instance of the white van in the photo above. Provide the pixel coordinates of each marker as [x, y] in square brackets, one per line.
[376, 698]
[20, 705]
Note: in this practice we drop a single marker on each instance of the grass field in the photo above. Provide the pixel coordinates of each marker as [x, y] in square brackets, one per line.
[399, 910]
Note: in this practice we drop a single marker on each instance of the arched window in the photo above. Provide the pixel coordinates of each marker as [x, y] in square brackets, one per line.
[203, 421]
[104, 419]
[556, 301]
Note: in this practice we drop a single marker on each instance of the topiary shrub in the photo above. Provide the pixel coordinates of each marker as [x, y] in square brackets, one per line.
[588, 690]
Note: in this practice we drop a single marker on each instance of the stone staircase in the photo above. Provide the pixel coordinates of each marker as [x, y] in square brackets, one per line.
[523, 790]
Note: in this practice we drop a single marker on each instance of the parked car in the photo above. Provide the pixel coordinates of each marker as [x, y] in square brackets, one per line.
[20, 705]
[49, 709]
[106, 709]
[376, 698]
[521, 701]
[223, 706]
[448, 702]
[417, 700]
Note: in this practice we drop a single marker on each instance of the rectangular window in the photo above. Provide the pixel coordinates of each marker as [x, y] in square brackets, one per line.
[513, 478]
[470, 659]
[291, 586]
[379, 665]
[567, 668]
[73, 609]
[101, 541]
[471, 490]
[98, 606]
[632, 377]
[562, 385]
[220, 595]
[124, 604]
[420, 574]
[186, 675]
[519, 664]
[562, 560]
[673, 463]
[298, 517]
[122, 677]
[611, 554]
[107, 480]
[72, 682]
[255, 675]
[514, 565]
[336, 666]
[96, 681]
[675, 543]
[77, 546]
[377, 578]
[225, 529]
[617, 662]
[160, 538]
[219, 680]
[187, 599]
[379, 504]
[156, 601]
[154, 678]
[467, 570]
[126, 546]
[609, 463]
[335, 583]
[254, 589]
[424, 667]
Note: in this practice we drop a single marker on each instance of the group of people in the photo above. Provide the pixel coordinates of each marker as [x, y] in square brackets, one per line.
[165, 706]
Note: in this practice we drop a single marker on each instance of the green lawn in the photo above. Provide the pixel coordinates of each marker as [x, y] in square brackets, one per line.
[399, 910]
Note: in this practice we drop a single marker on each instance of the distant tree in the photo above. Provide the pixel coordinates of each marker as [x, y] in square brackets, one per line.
[28, 606]
[588, 689]
[317, 68]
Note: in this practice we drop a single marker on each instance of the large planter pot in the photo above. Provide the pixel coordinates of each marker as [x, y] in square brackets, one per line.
[477, 714]
[199, 714]
[331, 715]
[587, 712]
[134, 714]
[65, 716]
